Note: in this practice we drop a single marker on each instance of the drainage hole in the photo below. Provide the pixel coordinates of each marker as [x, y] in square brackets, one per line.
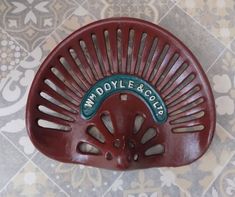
[108, 156]
[117, 143]
[136, 157]
[131, 144]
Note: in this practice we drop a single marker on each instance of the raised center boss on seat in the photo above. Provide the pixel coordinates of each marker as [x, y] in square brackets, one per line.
[121, 94]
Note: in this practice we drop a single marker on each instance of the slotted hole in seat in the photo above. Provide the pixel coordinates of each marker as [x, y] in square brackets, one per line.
[159, 61]
[140, 53]
[88, 58]
[70, 85]
[138, 122]
[51, 112]
[150, 57]
[98, 53]
[68, 67]
[108, 156]
[56, 102]
[106, 119]
[95, 133]
[135, 157]
[190, 93]
[51, 125]
[108, 49]
[123, 97]
[149, 134]
[187, 81]
[86, 148]
[119, 49]
[130, 49]
[168, 68]
[188, 106]
[189, 118]
[60, 92]
[182, 68]
[188, 129]
[155, 150]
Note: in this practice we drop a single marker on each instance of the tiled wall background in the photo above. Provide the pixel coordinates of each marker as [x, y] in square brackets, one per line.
[30, 29]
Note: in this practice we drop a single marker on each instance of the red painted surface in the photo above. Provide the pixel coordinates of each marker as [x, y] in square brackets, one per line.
[179, 148]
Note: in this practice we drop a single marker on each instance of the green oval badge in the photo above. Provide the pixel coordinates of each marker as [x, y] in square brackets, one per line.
[117, 83]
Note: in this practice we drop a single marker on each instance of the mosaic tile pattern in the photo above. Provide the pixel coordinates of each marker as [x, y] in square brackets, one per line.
[148, 9]
[204, 46]
[30, 29]
[30, 21]
[216, 16]
[77, 179]
[224, 185]
[30, 181]
[10, 161]
[222, 81]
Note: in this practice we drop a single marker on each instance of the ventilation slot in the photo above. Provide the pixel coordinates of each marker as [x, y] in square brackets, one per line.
[182, 68]
[155, 150]
[69, 69]
[184, 83]
[88, 58]
[54, 101]
[140, 53]
[107, 122]
[187, 107]
[51, 112]
[189, 118]
[95, 133]
[86, 148]
[168, 68]
[188, 129]
[149, 134]
[98, 53]
[130, 49]
[119, 49]
[60, 92]
[108, 49]
[183, 97]
[160, 60]
[150, 57]
[51, 125]
[139, 120]
[70, 85]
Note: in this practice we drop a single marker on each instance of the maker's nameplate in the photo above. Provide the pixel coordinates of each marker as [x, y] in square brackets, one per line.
[123, 83]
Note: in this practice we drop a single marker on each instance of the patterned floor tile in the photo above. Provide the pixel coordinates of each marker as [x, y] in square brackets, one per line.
[29, 22]
[77, 180]
[79, 18]
[204, 46]
[232, 46]
[38, 26]
[197, 177]
[151, 10]
[31, 182]
[13, 127]
[10, 161]
[221, 76]
[11, 54]
[14, 88]
[224, 184]
[217, 16]
[144, 183]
